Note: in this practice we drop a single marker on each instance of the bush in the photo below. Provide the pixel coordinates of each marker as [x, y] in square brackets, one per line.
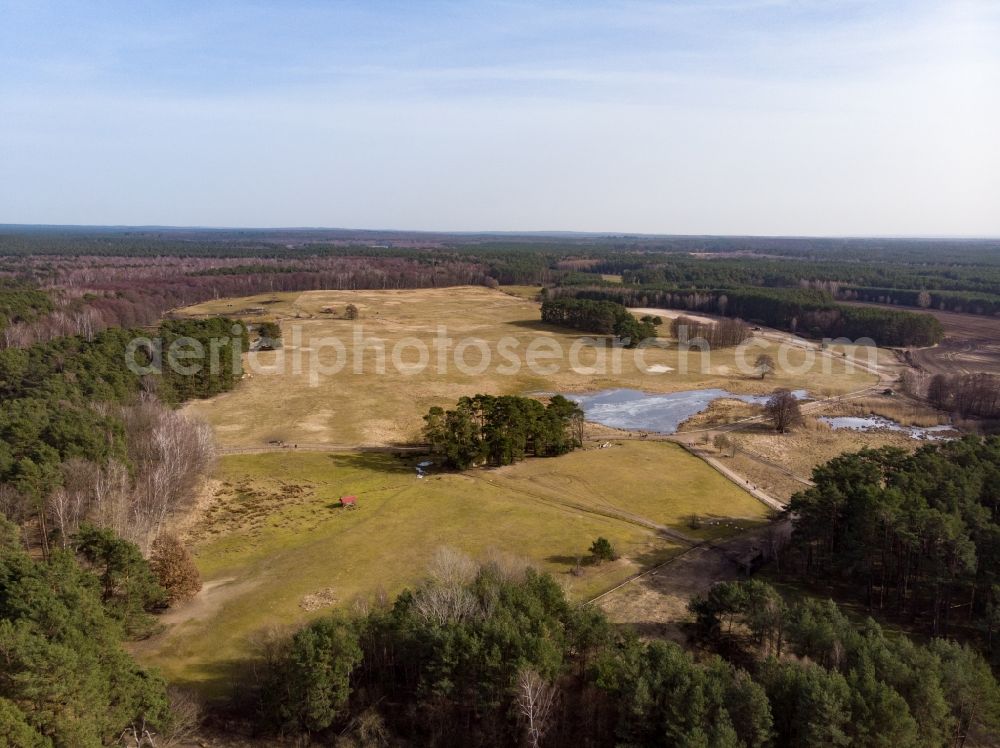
[602, 550]
[174, 569]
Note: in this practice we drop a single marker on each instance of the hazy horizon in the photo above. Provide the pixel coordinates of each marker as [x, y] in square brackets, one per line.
[96, 227]
[728, 118]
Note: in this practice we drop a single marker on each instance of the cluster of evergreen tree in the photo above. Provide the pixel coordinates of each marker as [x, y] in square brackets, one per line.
[20, 304]
[219, 339]
[918, 533]
[858, 686]
[65, 679]
[805, 311]
[600, 317]
[502, 430]
[903, 277]
[494, 654]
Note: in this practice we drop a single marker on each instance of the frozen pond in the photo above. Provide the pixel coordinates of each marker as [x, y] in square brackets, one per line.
[878, 423]
[662, 413]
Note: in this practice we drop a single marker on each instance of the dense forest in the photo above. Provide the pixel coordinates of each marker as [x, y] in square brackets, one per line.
[907, 272]
[65, 679]
[21, 304]
[917, 536]
[485, 429]
[493, 654]
[84, 437]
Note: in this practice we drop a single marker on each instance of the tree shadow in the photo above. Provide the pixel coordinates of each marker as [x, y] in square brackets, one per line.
[382, 462]
[585, 559]
[539, 326]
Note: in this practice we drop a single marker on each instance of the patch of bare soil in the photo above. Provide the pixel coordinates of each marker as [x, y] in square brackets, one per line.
[971, 344]
[207, 602]
[325, 598]
[655, 605]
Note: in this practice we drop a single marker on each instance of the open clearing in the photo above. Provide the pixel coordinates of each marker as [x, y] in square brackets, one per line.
[274, 548]
[971, 343]
[359, 406]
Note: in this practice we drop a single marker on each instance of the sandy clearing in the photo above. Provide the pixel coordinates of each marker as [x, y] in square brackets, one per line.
[672, 314]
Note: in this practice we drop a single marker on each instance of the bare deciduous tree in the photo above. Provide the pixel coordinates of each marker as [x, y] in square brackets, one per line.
[536, 698]
[445, 597]
[169, 454]
[764, 364]
[783, 410]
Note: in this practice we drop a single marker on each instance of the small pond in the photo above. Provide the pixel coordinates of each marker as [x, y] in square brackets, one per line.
[661, 413]
[878, 423]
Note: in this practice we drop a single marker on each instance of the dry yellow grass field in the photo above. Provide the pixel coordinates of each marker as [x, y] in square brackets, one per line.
[359, 406]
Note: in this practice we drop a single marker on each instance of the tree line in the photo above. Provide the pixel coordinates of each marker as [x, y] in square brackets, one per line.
[599, 317]
[93, 294]
[803, 311]
[501, 430]
[968, 395]
[493, 654]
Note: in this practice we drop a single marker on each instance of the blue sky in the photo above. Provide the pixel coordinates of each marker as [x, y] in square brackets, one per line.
[841, 117]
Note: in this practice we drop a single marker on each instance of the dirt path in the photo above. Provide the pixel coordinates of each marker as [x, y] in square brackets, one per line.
[735, 477]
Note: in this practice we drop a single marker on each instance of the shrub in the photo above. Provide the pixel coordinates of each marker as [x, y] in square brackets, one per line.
[174, 569]
[602, 550]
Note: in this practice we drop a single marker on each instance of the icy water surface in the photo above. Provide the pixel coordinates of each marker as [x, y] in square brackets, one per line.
[662, 413]
[878, 423]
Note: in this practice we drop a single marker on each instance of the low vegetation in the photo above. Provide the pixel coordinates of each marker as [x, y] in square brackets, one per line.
[294, 626]
[273, 539]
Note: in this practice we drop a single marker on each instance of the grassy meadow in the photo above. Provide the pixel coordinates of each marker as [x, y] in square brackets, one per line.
[359, 406]
[274, 548]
